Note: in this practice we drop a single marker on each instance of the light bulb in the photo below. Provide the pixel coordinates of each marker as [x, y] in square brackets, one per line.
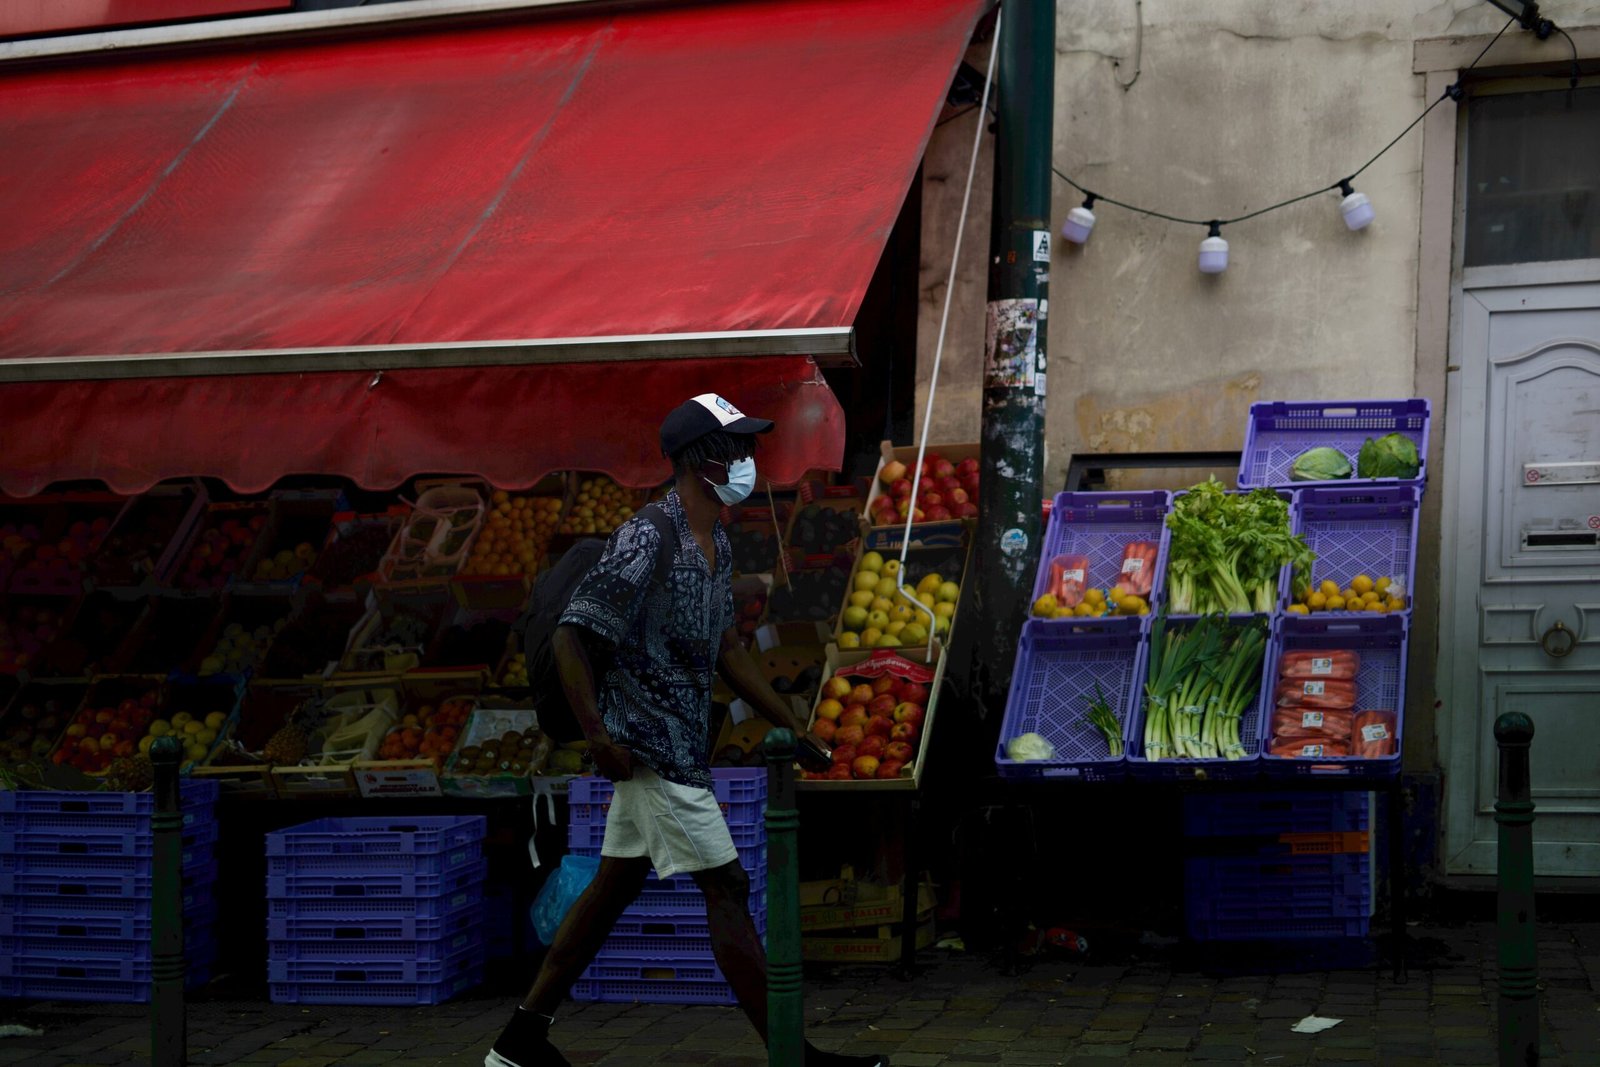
[1214, 252]
[1356, 208]
[1080, 222]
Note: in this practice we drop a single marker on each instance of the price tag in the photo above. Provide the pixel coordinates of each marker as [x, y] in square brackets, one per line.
[1321, 665]
[1375, 731]
[1311, 720]
[1132, 565]
[1311, 750]
[1315, 689]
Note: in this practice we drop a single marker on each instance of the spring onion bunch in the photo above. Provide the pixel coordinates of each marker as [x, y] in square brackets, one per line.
[1227, 550]
[1102, 717]
[1202, 681]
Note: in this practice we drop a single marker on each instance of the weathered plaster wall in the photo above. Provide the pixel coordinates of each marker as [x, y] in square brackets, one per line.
[1236, 104]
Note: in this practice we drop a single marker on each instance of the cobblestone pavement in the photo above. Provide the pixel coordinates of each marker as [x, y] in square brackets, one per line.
[1161, 1006]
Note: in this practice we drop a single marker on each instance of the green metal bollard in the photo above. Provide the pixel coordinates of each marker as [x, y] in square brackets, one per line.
[785, 993]
[1518, 941]
[169, 1037]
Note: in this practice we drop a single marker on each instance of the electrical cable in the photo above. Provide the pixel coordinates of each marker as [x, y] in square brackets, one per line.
[1572, 82]
[1453, 92]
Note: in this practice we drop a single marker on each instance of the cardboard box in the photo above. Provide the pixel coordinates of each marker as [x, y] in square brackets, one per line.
[879, 946]
[918, 665]
[396, 778]
[907, 454]
[490, 719]
[252, 780]
[312, 783]
[944, 548]
[876, 905]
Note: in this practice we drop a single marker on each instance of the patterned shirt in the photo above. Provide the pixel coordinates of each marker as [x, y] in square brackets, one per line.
[655, 697]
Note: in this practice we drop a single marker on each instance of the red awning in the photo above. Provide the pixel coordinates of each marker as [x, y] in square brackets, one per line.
[242, 236]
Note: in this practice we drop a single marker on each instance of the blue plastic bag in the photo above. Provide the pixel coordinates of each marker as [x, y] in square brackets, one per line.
[561, 890]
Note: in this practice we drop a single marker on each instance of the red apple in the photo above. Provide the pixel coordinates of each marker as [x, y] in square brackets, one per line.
[149, 699]
[900, 489]
[849, 735]
[930, 500]
[836, 687]
[957, 495]
[854, 715]
[844, 754]
[904, 731]
[873, 746]
[883, 683]
[909, 712]
[939, 513]
[879, 726]
[864, 767]
[862, 694]
[949, 485]
[839, 772]
[967, 466]
[943, 468]
[899, 751]
[825, 729]
[914, 693]
[882, 704]
[829, 708]
[969, 510]
[889, 769]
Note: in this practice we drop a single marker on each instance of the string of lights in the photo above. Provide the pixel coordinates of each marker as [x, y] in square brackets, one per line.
[1355, 207]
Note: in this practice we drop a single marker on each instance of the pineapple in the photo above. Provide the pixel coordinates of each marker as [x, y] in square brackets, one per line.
[130, 774]
[293, 740]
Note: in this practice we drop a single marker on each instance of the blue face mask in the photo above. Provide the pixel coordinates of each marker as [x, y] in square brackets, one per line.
[741, 482]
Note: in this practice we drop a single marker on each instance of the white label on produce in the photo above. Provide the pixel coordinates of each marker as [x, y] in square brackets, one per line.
[1133, 565]
[1321, 665]
[1072, 576]
[1374, 731]
[1311, 719]
[1315, 689]
[1311, 750]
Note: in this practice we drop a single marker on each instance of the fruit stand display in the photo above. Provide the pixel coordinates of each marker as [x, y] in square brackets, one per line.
[225, 546]
[876, 709]
[756, 534]
[599, 506]
[512, 548]
[46, 542]
[298, 526]
[311, 642]
[91, 638]
[876, 613]
[36, 717]
[392, 636]
[947, 489]
[354, 547]
[149, 538]
[169, 632]
[240, 636]
[432, 544]
[27, 628]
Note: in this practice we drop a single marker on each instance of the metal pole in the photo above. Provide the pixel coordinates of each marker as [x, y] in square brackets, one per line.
[785, 994]
[1012, 483]
[1518, 942]
[169, 1038]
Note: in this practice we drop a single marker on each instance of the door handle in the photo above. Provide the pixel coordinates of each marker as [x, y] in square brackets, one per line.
[1558, 641]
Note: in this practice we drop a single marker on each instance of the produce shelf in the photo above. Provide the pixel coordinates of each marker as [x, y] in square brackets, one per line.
[1099, 526]
[1278, 431]
[1060, 666]
[1163, 591]
[1380, 641]
[1357, 529]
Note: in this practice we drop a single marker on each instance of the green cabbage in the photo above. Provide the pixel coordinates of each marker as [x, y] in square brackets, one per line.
[1394, 455]
[1319, 465]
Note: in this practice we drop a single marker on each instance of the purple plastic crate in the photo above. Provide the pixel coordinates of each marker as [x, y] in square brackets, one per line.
[368, 925]
[1270, 814]
[653, 990]
[1366, 529]
[1280, 430]
[1380, 641]
[404, 970]
[355, 886]
[436, 950]
[1059, 665]
[1280, 888]
[194, 794]
[76, 835]
[55, 898]
[1099, 526]
[741, 792]
[1249, 766]
[100, 991]
[375, 836]
[1164, 560]
[196, 858]
[667, 937]
[357, 865]
[90, 925]
[376, 992]
[679, 897]
[197, 943]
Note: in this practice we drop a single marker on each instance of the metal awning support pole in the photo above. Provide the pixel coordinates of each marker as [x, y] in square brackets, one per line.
[169, 1036]
[1517, 935]
[1012, 481]
[785, 992]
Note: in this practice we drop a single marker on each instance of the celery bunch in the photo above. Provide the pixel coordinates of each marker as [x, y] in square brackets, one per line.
[1227, 549]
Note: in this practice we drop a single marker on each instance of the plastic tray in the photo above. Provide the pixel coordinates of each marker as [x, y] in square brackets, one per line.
[368, 971]
[42, 896]
[67, 866]
[194, 794]
[1370, 529]
[1279, 431]
[741, 793]
[1056, 676]
[410, 927]
[347, 910]
[1380, 640]
[1270, 814]
[375, 992]
[436, 950]
[378, 886]
[631, 991]
[92, 926]
[370, 866]
[1099, 526]
[72, 835]
[1249, 734]
[1281, 888]
[197, 944]
[100, 991]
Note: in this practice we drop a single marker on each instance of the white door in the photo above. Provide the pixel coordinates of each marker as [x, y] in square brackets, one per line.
[1520, 624]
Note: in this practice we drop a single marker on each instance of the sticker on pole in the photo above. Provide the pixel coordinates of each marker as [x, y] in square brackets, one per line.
[1041, 246]
[1013, 542]
[1011, 344]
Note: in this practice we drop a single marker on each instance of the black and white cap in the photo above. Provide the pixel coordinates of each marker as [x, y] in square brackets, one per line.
[706, 413]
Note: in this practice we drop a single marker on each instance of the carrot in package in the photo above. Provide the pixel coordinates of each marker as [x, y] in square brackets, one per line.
[1321, 694]
[1373, 734]
[1312, 665]
[1138, 568]
[1068, 576]
[1330, 724]
[1307, 748]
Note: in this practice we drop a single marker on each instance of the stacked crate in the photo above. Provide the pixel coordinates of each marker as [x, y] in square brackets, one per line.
[379, 910]
[76, 888]
[1277, 865]
[660, 950]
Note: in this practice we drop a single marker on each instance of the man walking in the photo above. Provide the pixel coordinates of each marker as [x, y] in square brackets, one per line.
[636, 659]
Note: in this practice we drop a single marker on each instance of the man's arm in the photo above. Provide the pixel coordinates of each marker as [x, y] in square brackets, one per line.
[577, 681]
[739, 670]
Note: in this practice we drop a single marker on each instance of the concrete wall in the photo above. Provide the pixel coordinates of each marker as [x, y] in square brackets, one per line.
[1233, 104]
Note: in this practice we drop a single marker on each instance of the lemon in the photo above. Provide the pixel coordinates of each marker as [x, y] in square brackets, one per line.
[1361, 583]
[854, 618]
[1397, 603]
[949, 592]
[1084, 609]
[881, 603]
[1044, 607]
[193, 726]
[888, 641]
[895, 628]
[849, 640]
[928, 600]
[1299, 609]
[914, 634]
[1317, 601]
[160, 728]
[872, 561]
[1374, 605]
[930, 584]
[870, 637]
[861, 598]
[1095, 596]
[1329, 587]
[1382, 585]
[1335, 602]
[944, 610]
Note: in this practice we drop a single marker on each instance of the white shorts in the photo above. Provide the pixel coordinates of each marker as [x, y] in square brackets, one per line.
[681, 828]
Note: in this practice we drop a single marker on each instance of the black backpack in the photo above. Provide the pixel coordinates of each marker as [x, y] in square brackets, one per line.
[553, 591]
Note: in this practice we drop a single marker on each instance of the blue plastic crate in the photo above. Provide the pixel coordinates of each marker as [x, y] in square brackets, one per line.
[1278, 431]
[89, 927]
[99, 991]
[1164, 590]
[376, 950]
[362, 866]
[52, 897]
[357, 886]
[377, 909]
[666, 937]
[137, 868]
[631, 991]
[198, 942]
[741, 792]
[378, 836]
[679, 896]
[369, 927]
[1365, 528]
[35, 835]
[1059, 667]
[1280, 888]
[1261, 929]
[1254, 814]
[1380, 641]
[404, 969]
[1099, 526]
[194, 793]
[376, 992]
